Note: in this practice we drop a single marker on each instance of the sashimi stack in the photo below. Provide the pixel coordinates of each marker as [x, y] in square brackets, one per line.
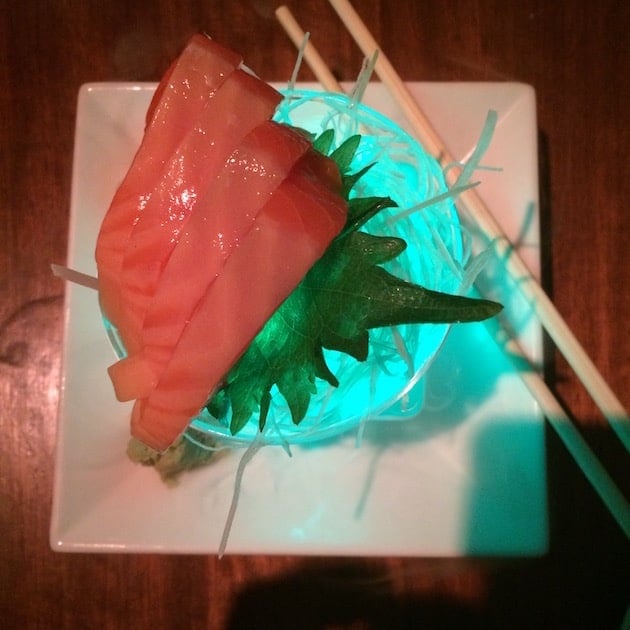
[221, 214]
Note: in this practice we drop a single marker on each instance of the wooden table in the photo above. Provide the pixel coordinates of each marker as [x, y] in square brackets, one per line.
[573, 54]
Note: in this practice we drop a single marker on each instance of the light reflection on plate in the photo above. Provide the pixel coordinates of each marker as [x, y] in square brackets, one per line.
[466, 477]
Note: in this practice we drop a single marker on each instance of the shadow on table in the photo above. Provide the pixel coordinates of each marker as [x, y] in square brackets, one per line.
[560, 591]
[338, 594]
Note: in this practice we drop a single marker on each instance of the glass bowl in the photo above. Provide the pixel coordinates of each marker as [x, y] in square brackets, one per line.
[388, 385]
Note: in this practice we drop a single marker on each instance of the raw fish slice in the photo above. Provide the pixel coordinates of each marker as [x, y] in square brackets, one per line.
[240, 105]
[201, 68]
[290, 235]
[219, 223]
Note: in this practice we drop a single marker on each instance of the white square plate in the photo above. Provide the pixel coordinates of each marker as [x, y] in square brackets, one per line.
[467, 477]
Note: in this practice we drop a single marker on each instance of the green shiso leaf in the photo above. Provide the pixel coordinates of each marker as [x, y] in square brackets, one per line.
[344, 295]
[323, 142]
[344, 154]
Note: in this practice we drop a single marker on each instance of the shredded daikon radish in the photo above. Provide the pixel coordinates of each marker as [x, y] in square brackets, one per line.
[83, 279]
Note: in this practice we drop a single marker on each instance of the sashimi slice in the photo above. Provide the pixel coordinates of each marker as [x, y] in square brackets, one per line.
[219, 223]
[240, 105]
[290, 235]
[201, 68]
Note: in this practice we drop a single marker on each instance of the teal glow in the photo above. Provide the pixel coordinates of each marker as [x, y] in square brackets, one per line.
[389, 384]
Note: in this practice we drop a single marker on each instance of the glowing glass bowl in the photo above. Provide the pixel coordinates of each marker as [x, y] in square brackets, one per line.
[388, 385]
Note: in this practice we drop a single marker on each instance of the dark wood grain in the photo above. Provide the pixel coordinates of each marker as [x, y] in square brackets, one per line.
[576, 56]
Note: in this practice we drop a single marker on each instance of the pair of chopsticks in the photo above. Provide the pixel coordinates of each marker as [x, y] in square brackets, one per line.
[542, 306]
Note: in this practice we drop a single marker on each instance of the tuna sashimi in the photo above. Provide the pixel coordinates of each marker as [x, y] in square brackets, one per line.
[240, 105]
[217, 226]
[290, 235]
[201, 68]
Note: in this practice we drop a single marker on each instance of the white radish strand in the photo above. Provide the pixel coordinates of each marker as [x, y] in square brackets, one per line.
[83, 279]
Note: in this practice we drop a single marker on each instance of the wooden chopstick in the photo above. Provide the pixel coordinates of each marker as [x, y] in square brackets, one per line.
[586, 459]
[544, 308]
